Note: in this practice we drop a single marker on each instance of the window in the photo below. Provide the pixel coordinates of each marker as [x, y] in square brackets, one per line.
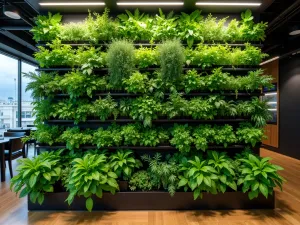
[27, 100]
[8, 91]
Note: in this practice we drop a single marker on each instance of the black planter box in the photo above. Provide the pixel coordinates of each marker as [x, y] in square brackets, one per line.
[157, 201]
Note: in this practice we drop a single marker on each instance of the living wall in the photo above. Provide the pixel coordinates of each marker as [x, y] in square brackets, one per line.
[110, 107]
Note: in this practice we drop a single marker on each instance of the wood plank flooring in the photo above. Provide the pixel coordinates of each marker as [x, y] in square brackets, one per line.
[13, 211]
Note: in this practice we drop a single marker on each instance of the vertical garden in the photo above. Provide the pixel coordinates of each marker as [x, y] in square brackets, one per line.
[161, 112]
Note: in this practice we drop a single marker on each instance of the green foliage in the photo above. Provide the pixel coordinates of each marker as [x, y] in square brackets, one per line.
[136, 83]
[164, 26]
[104, 108]
[123, 163]
[46, 134]
[172, 58]
[47, 27]
[225, 170]
[146, 109]
[258, 175]
[42, 85]
[89, 58]
[176, 106]
[153, 137]
[74, 32]
[77, 84]
[224, 135]
[199, 176]
[74, 137]
[250, 135]
[182, 138]
[140, 180]
[135, 25]
[37, 176]
[57, 54]
[91, 175]
[131, 134]
[109, 137]
[192, 81]
[200, 108]
[120, 61]
[203, 135]
[146, 57]
[101, 27]
[163, 173]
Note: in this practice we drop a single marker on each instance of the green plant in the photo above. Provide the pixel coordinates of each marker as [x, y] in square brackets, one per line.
[47, 134]
[258, 175]
[74, 137]
[42, 110]
[120, 61]
[198, 176]
[164, 173]
[89, 58]
[37, 176]
[42, 85]
[248, 134]
[176, 106]
[164, 26]
[47, 27]
[146, 57]
[58, 54]
[224, 135]
[200, 108]
[140, 181]
[188, 26]
[225, 170]
[104, 108]
[107, 138]
[203, 135]
[153, 137]
[123, 163]
[101, 27]
[74, 32]
[249, 30]
[77, 84]
[136, 83]
[182, 138]
[145, 108]
[131, 134]
[91, 175]
[193, 82]
[136, 26]
[172, 58]
[217, 80]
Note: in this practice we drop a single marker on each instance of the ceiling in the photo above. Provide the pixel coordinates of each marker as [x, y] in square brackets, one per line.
[16, 38]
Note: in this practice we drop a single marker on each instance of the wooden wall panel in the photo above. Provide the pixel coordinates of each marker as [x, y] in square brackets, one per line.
[272, 130]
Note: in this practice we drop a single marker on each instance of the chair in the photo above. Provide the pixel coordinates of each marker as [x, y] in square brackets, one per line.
[16, 150]
[27, 133]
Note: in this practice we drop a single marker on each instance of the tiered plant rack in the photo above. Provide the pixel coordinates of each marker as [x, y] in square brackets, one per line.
[155, 200]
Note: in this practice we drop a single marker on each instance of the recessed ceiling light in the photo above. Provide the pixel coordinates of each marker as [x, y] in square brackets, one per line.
[228, 3]
[150, 3]
[71, 3]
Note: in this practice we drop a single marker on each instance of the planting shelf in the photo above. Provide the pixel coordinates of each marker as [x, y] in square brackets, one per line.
[148, 44]
[95, 121]
[237, 69]
[192, 94]
[157, 200]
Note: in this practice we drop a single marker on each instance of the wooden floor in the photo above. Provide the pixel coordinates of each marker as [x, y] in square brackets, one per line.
[13, 211]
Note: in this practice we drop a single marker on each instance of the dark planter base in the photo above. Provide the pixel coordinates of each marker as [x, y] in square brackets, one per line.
[157, 201]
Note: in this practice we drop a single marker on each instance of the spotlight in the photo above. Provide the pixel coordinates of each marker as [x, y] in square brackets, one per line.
[11, 12]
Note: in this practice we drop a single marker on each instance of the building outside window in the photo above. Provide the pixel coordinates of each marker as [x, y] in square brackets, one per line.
[8, 92]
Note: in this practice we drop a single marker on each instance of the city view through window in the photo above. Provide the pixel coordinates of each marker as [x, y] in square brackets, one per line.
[9, 94]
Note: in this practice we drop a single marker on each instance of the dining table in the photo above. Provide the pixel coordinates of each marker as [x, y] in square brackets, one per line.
[3, 142]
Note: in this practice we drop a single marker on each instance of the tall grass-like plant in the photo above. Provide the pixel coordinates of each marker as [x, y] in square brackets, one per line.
[172, 59]
[120, 61]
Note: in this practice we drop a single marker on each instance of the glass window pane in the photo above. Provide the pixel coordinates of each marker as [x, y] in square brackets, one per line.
[27, 107]
[8, 92]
